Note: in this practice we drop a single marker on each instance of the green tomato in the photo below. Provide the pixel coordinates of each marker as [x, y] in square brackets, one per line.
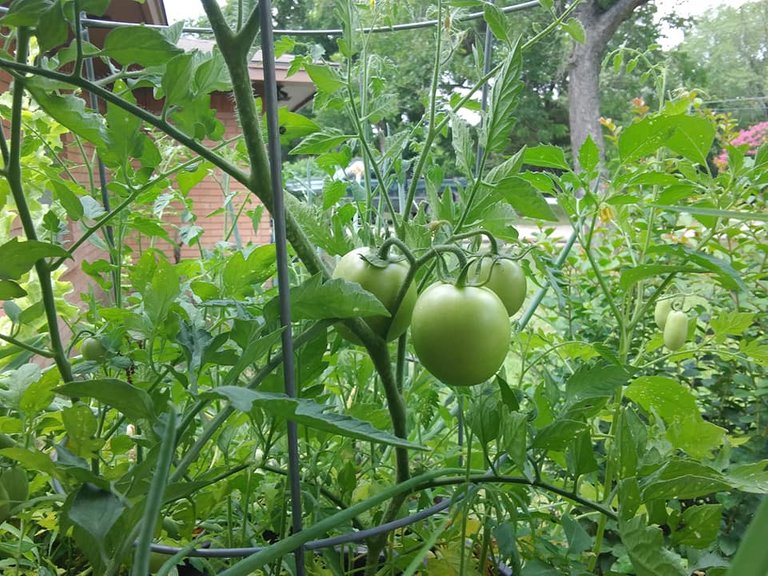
[676, 330]
[5, 504]
[156, 561]
[385, 284]
[506, 279]
[661, 312]
[16, 484]
[461, 335]
[92, 349]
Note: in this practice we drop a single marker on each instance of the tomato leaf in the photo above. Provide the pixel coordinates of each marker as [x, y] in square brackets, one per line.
[10, 290]
[308, 413]
[682, 479]
[336, 298]
[689, 136]
[64, 192]
[589, 155]
[503, 100]
[17, 258]
[703, 211]
[731, 324]
[692, 138]
[575, 30]
[242, 273]
[676, 406]
[254, 351]
[139, 45]
[726, 274]
[546, 156]
[578, 539]
[558, 435]
[126, 398]
[325, 78]
[645, 546]
[496, 21]
[52, 28]
[752, 477]
[595, 381]
[25, 12]
[525, 199]
[631, 276]
[700, 525]
[320, 142]
[69, 110]
[293, 125]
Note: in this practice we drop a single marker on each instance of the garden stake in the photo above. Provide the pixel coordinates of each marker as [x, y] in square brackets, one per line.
[90, 74]
[283, 278]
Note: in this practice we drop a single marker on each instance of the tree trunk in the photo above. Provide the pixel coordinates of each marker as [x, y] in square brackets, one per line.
[584, 98]
[584, 69]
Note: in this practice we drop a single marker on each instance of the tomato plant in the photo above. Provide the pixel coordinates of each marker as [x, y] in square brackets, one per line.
[568, 434]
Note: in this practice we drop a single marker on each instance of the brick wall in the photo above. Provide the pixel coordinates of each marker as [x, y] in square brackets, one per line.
[207, 197]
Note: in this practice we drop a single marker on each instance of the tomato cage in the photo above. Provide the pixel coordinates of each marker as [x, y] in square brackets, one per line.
[303, 540]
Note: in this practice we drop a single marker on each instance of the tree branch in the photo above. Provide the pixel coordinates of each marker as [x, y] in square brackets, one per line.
[610, 20]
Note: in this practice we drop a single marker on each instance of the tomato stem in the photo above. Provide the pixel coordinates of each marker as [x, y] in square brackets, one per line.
[494, 245]
[383, 252]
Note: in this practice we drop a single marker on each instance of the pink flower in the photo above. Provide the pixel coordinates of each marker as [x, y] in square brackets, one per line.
[754, 137]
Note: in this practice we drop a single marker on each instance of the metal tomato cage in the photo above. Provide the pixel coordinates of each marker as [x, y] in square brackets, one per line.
[281, 245]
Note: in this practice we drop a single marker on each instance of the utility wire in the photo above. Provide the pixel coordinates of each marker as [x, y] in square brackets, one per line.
[109, 24]
[737, 99]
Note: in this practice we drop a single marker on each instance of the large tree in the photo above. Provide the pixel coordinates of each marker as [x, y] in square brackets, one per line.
[600, 19]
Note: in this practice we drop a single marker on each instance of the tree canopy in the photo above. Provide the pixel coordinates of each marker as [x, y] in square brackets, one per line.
[725, 54]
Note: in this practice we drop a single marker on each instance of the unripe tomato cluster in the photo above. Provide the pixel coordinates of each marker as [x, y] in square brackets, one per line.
[673, 323]
[460, 332]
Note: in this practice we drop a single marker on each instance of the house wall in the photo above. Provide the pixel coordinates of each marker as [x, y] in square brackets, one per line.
[207, 197]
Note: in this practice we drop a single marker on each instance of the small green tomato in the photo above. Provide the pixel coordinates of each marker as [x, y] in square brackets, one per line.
[93, 350]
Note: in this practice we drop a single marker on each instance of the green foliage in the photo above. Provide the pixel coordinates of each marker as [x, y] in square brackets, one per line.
[593, 449]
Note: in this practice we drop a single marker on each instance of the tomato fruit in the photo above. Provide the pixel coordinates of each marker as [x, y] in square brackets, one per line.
[5, 505]
[506, 279]
[93, 350]
[676, 330]
[385, 284]
[156, 561]
[460, 334]
[16, 484]
[661, 312]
